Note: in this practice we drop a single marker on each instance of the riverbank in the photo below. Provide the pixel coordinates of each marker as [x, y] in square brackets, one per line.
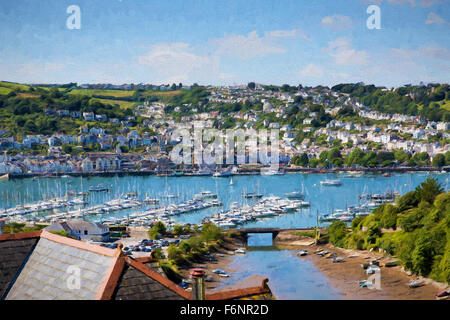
[222, 259]
[345, 276]
[190, 173]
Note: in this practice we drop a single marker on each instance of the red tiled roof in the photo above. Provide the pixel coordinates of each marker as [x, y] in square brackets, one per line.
[240, 293]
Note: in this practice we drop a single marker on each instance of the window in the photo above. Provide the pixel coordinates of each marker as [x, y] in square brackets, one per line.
[85, 232]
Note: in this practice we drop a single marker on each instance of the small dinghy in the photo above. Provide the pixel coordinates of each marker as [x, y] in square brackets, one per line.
[415, 283]
[302, 253]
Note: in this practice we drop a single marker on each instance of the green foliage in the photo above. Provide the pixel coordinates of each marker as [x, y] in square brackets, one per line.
[438, 160]
[403, 100]
[157, 230]
[302, 160]
[423, 242]
[175, 254]
[60, 233]
[15, 227]
[210, 232]
[337, 233]
[428, 190]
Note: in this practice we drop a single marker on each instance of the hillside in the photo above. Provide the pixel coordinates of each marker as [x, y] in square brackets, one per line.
[416, 229]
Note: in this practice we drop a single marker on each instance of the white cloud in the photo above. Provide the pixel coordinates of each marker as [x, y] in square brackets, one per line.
[253, 45]
[294, 33]
[343, 54]
[337, 22]
[423, 3]
[411, 2]
[176, 62]
[434, 18]
[369, 2]
[246, 47]
[429, 3]
[312, 71]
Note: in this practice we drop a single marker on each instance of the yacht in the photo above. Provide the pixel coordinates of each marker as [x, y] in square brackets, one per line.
[329, 182]
[222, 174]
[295, 195]
[98, 188]
[271, 172]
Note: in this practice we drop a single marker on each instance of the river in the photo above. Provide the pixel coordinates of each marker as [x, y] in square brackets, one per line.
[323, 199]
[290, 277]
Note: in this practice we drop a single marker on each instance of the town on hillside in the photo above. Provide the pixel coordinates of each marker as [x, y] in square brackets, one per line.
[103, 128]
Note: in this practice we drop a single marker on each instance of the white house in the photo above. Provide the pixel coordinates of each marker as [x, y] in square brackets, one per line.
[82, 230]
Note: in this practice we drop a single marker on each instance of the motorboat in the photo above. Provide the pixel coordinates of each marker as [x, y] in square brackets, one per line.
[222, 174]
[252, 195]
[302, 253]
[98, 188]
[329, 182]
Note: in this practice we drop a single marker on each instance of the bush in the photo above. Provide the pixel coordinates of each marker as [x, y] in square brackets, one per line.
[174, 254]
[157, 230]
[337, 233]
[210, 232]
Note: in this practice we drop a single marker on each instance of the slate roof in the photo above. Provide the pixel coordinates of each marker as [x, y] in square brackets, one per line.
[46, 275]
[136, 285]
[38, 266]
[13, 253]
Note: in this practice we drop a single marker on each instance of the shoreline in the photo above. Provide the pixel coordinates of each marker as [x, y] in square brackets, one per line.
[223, 256]
[345, 276]
[287, 170]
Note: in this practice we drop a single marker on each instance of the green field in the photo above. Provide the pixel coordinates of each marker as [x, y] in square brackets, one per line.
[4, 91]
[161, 93]
[13, 86]
[101, 92]
[446, 105]
[122, 104]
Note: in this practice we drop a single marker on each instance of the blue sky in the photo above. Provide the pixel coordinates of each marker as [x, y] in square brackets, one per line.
[225, 42]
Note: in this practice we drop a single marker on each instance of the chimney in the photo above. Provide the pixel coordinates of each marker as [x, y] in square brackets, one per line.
[198, 286]
[2, 224]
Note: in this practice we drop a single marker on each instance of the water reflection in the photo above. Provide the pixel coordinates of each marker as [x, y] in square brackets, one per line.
[290, 277]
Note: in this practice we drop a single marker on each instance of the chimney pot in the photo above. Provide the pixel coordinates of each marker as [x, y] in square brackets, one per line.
[198, 287]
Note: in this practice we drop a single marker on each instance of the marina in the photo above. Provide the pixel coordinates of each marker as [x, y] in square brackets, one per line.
[142, 200]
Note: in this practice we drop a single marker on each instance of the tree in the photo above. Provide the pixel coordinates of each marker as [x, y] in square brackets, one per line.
[251, 85]
[304, 160]
[174, 253]
[355, 157]
[428, 190]
[421, 158]
[337, 232]
[67, 148]
[210, 232]
[438, 160]
[178, 229]
[447, 158]
[157, 230]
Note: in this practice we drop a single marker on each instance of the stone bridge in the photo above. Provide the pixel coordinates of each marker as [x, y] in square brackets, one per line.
[274, 231]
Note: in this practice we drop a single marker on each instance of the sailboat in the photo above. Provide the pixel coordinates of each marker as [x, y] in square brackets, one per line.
[297, 194]
[231, 181]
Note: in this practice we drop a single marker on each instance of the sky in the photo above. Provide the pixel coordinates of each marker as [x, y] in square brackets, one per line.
[228, 42]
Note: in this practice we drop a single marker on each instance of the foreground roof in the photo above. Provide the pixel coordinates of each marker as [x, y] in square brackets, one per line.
[45, 266]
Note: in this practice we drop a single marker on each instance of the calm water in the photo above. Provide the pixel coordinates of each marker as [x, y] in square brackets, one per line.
[289, 276]
[322, 199]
